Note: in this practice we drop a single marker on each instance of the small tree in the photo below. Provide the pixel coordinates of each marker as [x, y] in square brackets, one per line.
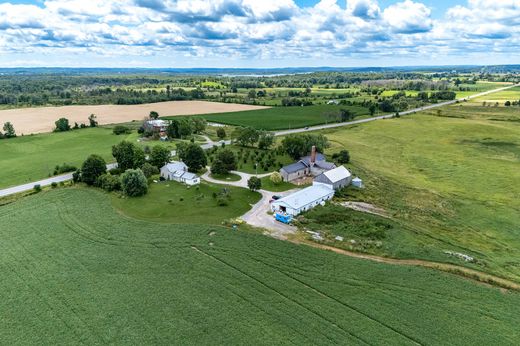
[159, 156]
[221, 133]
[134, 183]
[254, 184]
[342, 157]
[92, 120]
[62, 125]
[154, 115]
[128, 155]
[193, 156]
[149, 170]
[93, 167]
[9, 130]
[265, 140]
[224, 162]
[276, 178]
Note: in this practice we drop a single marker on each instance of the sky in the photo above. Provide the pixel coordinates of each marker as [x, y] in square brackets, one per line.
[258, 33]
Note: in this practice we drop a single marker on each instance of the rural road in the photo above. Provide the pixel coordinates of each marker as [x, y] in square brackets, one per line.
[65, 177]
[45, 182]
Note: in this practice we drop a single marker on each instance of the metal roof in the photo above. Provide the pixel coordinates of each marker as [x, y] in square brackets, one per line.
[306, 196]
[337, 174]
[307, 159]
[295, 167]
[325, 165]
[175, 166]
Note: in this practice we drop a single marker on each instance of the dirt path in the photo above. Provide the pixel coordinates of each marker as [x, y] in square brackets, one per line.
[450, 268]
[41, 119]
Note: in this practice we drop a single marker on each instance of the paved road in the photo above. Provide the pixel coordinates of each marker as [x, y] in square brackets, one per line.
[65, 177]
[42, 183]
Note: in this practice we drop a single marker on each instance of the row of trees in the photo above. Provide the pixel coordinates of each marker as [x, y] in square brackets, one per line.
[248, 136]
[63, 125]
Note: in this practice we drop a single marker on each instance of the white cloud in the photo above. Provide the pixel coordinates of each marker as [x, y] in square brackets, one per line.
[408, 17]
[251, 29]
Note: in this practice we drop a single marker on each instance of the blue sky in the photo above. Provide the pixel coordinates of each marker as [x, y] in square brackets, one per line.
[258, 33]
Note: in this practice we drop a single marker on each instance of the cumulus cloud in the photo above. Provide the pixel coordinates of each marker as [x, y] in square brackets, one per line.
[408, 17]
[250, 29]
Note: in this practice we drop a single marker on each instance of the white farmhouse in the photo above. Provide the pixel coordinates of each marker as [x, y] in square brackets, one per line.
[303, 200]
[178, 171]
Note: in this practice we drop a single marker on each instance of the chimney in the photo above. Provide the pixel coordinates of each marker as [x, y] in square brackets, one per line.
[313, 155]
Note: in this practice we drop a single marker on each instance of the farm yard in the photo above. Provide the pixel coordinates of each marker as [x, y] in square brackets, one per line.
[83, 267]
[41, 119]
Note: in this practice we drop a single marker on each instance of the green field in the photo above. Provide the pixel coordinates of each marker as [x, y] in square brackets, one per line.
[81, 273]
[29, 158]
[450, 184]
[172, 202]
[281, 118]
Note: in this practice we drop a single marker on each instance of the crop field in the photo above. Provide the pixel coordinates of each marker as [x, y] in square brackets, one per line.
[282, 118]
[41, 119]
[86, 274]
[451, 185]
[173, 202]
[29, 158]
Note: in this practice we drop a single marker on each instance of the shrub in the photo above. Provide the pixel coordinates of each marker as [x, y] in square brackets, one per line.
[115, 171]
[65, 168]
[54, 184]
[121, 130]
[134, 183]
[254, 183]
[149, 170]
[276, 178]
[62, 125]
[109, 182]
[343, 157]
[37, 188]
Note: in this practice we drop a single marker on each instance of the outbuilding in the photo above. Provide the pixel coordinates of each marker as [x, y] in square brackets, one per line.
[178, 171]
[303, 200]
[357, 182]
[335, 179]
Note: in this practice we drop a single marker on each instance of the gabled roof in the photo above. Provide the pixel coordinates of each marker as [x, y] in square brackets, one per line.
[175, 166]
[325, 165]
[307, 159]
[189, 176]
[295, 167]
[306, 196]
[337, 174]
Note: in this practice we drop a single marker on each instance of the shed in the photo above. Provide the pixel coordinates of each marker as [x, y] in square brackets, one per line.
[357, 182]
[336, 178]
[303, 200]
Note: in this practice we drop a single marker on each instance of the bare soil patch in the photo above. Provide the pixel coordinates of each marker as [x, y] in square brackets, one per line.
[41, 119]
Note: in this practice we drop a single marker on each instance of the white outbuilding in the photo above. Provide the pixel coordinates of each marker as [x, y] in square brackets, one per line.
[178, 171]
[303, 200]
[357, 182]
[336, 178]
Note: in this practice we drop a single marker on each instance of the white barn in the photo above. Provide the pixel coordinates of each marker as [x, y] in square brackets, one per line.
[336, 178]
[178, 171]
[303, 200]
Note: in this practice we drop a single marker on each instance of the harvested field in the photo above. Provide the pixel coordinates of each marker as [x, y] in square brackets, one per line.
[41, 119]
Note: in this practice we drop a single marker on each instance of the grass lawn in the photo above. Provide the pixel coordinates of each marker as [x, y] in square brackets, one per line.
[280, 118]
[84, 273]
[29, 158]
[226, 177]
[176, 203]
[268, 185]
[452, 184]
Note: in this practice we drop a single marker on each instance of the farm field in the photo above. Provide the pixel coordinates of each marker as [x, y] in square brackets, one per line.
[172, 202]
[83, 267]
[41, 119]
[282, 118]
[29, 158]
[450, 184]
